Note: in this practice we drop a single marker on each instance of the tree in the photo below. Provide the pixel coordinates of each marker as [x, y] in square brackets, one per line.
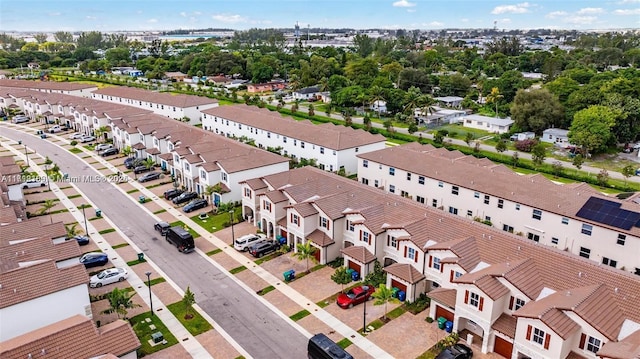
[72, 230]
[63, 36]
[100, 132]
[494, 97]
[127, 151]
[501, 146]
[413, 128]
[341, 276]
[515, 159]
[149, 163]
[603, 177]
[383, 295]
[209, 191]
[119, 302]
[40, 38]
[188, 300]
[578, 160]
[556, 167]
[305, 252]
[538, 154]
[468, 138]
[377, 276]
[536, 110]
[46, 207]
[312, 110]
[628, 171]
[591, 128]
[294, 108]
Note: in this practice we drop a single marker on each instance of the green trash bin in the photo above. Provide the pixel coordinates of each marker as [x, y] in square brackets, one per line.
[289, 275]
[441, 322]
[98, 212]
[141, 257]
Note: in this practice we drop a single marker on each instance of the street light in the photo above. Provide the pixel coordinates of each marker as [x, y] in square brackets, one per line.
[150, 298]
[25, 151]
[364, 316]
[233, 236]
[86, 229]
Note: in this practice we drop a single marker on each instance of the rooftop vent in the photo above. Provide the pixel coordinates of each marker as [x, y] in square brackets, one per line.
[579, 274]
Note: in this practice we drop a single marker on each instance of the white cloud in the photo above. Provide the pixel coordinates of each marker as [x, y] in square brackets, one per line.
[89, 17]
[504, 21]
[152, 21]
[229, 19]
[404, 3]
[627, 12]
[555, 14]
[590, 11]
[183, 14]
[512, 9]
[580, 20]
[435, 24]
[55, 13]
[464, 20]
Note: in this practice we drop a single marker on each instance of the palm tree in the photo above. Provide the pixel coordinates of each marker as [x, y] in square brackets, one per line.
[376, 93]
[495, 97]
[46, 207]
[383, 295]
[100, 132]
[412, 100]
[312, 110]
[127, 151]
[72, 230]
[119, 302]
[304, 252]
[149, 163]
[209, 191]
[188, 300]
[328, 110]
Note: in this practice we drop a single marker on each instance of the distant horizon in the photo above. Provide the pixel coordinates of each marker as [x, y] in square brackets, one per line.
[166, 15]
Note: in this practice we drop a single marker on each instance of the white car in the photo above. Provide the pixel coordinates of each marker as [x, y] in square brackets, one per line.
[108, 276]
[87, 139]
[636, 146]
[243, 243]
[55, 129]
[103, 146]
[20, 119]
[33, 183]
[76, 136]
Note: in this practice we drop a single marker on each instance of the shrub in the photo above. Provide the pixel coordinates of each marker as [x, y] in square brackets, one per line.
[74, 142]
[429, 320]
[526, 145]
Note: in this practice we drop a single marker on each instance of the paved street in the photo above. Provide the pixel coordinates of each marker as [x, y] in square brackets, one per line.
[261, 332]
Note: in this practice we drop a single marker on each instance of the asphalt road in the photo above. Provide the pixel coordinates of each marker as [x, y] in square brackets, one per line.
[262, 333]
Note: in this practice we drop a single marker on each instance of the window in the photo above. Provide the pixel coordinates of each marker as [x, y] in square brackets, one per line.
[486, 199]
[365, 163]
[421, 179]
[534, 237]
[295, 142]
[469, 213]
[365, 181]
[537, 214]
[411, 253]
[453, 210]
[507, 228]
[247, 193]
[393, 242]
[565, 220]
[538, 336]
[585, 252]
[350, 226]
[392, 188]
[295, 219]
[476, 195]
[404, 194]
[436, 263]
[223, 176]
[455, 190]
[186, 167]
[440, 184]
[321, 150]
[518, 303]
[554, 240]
[301, 144]
[334, 152]
[587, 229]
[609, 262]
[266, 206]
[392, 171]
[268, 134]
[593, 345]
[434, 203]
[365, 237]
[457, 274]
[408, 176]
[324, 222]
[474, 299]
[284, 139]
[420, 199]
[621, 239]
[501, 203]
[375, 183]
[203, 175]
[357, 149]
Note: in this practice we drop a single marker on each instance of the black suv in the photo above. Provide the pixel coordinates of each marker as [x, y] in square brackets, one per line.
[195, 205]
[132, 162]
[172, 193]
[259, 249]
[185, 197]
[457, 351]
[142, 169]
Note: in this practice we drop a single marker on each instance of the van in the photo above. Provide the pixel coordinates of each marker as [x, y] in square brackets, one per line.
[180, 238]
[321, 347]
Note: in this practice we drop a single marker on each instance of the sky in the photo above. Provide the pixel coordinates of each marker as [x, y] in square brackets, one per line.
[137, 15]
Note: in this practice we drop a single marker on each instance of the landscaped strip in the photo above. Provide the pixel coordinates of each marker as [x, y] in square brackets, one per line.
[266, 290]
[120, 245]
[158, 281]
[237, 270]
[195, 325]
[108, 230]
[181, 224]
[143, 331]
[301, 314]
[134, 262]
[215, 251]
[344, 343]
[133, 190]
[160, 211]
[75, 150]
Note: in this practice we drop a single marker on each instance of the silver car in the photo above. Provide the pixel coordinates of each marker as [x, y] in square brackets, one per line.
[108, 276]
[243, 243]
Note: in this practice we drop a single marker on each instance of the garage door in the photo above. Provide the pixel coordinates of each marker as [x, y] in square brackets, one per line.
[503, 347]
[395, 283]
[354, 266]
[441, 312]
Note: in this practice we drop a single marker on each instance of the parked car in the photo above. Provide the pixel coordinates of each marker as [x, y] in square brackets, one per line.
[162, 227]
[55, 129]
[109, 152]
[76, 136]
[259, 249]
[33, 183]
[243, 243]
[172, 193]
[149, 177]
[636, 146]
[87, 139]
[185, 197]
[456, 351]
[132, 162]
[355, 296]
[20, 119]
[142, 169]
[195, 204]
[108, 276]
[103, 146]
[94, 259]
[82, 240]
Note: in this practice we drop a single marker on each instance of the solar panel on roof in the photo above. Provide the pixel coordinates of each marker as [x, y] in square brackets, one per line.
[609, 213]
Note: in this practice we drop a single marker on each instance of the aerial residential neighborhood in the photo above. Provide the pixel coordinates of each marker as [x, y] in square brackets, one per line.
[353, 190]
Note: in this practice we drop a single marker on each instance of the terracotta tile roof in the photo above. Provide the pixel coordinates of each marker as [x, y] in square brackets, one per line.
[252, 158]
[153, 151]
[331, 136]
[139, 146]
[8, 215]
[182, 101]
[192, 159]
[506, 324]
[47, 85]
[74, 337]
[406, 272]
[37, 249]
[209, 166]
[574, 355]
[305, 209]
[320, 238]
[444, 296]
[30, 229]
[37, 280]
[282, 222]
[465, 249]
[627, 348]
[255, 183]
[359, 253]
[520, 273]
[166, 156]
[275, 196]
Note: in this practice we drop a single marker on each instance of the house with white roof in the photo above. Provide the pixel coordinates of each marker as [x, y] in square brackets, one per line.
[489, 124]
[557, 136]
[450, 101]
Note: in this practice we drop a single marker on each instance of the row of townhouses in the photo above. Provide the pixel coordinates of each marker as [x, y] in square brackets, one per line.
[523, 299]
[571, 217]
[44, 297]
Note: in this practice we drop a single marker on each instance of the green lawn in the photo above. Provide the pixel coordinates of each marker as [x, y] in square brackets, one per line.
[75, 150]
[120, 245]
[237, 269]
[215, 222]
[142, 330]
[266, 290]
[196, 325]
[301, 314]
[344, 343]
[108, 230]
[215, 251]
[181, 224]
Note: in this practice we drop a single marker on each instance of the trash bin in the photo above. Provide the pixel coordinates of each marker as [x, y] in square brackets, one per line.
[142, 199]
[282, 240]
[141, 257]
[402, 295]
[355, 276]
[43, 136]
[441, 322]
[289, 275]
[394, 292]
[448, 326]
[98, 212]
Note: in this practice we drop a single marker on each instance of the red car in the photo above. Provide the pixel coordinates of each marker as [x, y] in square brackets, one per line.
[355, 296]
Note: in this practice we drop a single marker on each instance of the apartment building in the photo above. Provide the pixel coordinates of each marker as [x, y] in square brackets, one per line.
[522, 301]
[332, 147]
[571, 217]
[66, 88]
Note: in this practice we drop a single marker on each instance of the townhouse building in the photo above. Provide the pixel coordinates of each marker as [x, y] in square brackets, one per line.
[164, 104]
[571, 217]
[66, 88]
[333, 148]
[517, 298]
